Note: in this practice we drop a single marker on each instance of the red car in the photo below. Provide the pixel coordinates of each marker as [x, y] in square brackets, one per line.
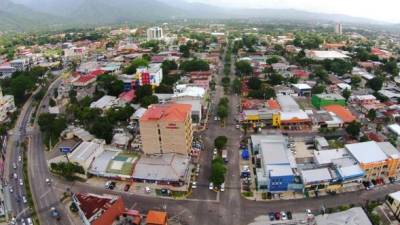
[127, 186]
[277, 216]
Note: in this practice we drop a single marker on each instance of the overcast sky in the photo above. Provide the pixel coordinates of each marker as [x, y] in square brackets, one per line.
[385, 10]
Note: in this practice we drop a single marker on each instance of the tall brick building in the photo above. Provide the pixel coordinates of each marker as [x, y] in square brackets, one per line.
[167, 128]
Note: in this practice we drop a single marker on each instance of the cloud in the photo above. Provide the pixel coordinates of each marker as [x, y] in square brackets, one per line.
[385, 10]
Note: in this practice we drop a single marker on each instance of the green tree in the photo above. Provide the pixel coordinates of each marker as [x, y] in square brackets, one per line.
[275, 79]
[346, 94]
[148, 100]
[254, 83]
[272, 60]
[194, 65]
[353, 129]
[375, 83]
[143, 91]
[244, 68]
[167, 66]
[220, 142]
[371, 114]
[355, 81]
[109, 84]
[218, 171]
[164, 89]
[236, 86]
[318, 89]
[103, 129]
[222, 112]
[185, 50]
[136, 63]
[391, 67]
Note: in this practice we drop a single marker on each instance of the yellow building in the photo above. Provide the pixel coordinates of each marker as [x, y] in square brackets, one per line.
[379, 160]
[167, 128]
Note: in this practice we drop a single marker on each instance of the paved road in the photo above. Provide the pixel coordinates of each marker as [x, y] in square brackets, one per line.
[14, 154]
[44, 195]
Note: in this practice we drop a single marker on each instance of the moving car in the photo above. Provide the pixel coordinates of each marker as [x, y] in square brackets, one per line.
[14, 166]
[55, 213]
[194, 184]
[21, 182]
[24, 200]
[15, 176]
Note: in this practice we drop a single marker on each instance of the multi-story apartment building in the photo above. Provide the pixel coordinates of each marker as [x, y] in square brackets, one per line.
[379, 160]
[155, 33]
[167, 128]
[7, 106]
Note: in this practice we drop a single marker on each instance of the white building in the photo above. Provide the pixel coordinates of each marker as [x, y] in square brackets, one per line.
[155, 33]
[7, 106]
[339, 29]
[105, 102]
[322, 55]
[19, 64]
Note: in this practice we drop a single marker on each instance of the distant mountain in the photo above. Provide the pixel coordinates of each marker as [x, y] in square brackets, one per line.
[30, 14]
[17, 17]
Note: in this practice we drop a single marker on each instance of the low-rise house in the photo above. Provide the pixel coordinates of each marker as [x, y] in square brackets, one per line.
[321, 100]
[98, 209]
[86, 152]
[7, 106]
[302, 89]
[104, 103]
[393, 201]
[322, 55]
[353, 216]
[165, 169]
[19, 64]
[6, 71]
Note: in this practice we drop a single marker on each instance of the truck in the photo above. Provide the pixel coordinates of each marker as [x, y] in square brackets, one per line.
[225, 155]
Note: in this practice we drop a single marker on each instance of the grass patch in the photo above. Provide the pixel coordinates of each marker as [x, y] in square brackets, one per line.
[248, 194]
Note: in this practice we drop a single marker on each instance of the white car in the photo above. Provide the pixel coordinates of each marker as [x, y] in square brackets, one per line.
[21, 182]
[29, 220]
[19, 158]
[24, 200]
[283, 216]
[309, 213]
[216, 118]
[14, 166]
[147, 190]
[194, 185]
[15, 176]
[237, 126]
[211, 186]
[223, 187]
[11, 190]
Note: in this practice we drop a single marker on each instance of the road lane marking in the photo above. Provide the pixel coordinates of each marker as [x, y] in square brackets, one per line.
[44, 194]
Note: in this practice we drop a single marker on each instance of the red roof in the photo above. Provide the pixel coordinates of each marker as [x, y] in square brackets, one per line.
[156, 217]
[157, 59]
[127, 96]
[96, 73]
[342, 112]
[167, 112]
[85, 79]
[91, 204]
[273, 104]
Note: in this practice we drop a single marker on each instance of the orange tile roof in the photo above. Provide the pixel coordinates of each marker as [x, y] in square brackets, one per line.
[156, 217]
[167, 112]
[342, 112]
[273, 104]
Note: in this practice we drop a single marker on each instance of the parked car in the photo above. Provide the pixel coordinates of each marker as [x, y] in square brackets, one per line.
[277, 216]
[127, 186]
[283, 216]
[223, 187]
[14, 166]
[271, 216]
[289, 215]
[211, 186]
[165, 192]
[29, 221]
[194, 184]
